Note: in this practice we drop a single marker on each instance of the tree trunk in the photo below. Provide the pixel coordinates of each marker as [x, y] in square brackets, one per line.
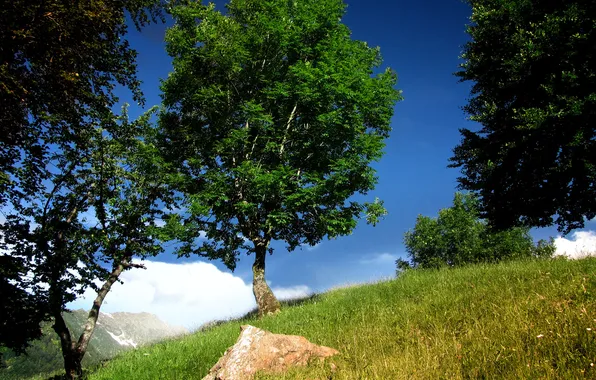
[266, 301]
[72, 358]
[72, 366]
[70, 353]
[94, 312]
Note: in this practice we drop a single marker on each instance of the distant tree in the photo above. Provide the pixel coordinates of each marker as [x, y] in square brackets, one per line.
[458, 236]
[273, 116]
[59, 63]
[95, 213]
[533, 68]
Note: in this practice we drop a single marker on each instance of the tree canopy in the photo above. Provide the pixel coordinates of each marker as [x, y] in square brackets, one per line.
[533, 68]
[273, 116]
[59, 63]
[458, 236]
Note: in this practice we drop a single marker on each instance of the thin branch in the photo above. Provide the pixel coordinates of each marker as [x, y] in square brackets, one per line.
[289, 123]
[55, 189]
[254, 143]
[74, 211]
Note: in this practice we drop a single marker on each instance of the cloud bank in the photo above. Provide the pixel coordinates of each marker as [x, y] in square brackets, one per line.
[581, 244]
[188, 294]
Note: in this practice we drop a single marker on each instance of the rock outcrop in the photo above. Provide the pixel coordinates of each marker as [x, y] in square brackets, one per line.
[259, 350]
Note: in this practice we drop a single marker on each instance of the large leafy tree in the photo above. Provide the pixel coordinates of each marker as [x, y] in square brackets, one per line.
[59, 63]
[96, 213]
[458, 236]
[273, 115]
[533, 69]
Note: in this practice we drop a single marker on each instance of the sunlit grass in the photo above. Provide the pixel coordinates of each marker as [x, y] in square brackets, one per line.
[508, 321]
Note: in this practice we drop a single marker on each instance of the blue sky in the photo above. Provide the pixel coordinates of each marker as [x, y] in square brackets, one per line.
[421, 41]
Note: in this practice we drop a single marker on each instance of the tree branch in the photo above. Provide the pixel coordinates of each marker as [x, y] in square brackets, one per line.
[289, 123]
[94, 312]
[54, 190]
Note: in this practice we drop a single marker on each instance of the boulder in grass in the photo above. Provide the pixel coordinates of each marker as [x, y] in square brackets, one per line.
[259, 350]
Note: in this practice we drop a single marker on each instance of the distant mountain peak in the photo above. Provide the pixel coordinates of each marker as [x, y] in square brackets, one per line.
[114, 333]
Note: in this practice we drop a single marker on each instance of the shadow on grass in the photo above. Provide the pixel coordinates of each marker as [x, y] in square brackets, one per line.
[88, 370]
[253, 314]
[300, 301]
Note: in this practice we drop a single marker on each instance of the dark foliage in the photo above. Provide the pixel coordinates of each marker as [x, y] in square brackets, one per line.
[59, 63]
[533, 68]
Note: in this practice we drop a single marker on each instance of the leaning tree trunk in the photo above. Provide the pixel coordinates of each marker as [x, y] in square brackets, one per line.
[73, 352]
[266, 301]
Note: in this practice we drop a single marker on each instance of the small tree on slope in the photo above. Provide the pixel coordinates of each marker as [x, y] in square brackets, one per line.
[272, 117]
[458, 236]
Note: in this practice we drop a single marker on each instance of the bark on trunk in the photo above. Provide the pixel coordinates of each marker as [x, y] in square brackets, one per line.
[266, 301]
[72, 366]
[94, 312]
[72, 359]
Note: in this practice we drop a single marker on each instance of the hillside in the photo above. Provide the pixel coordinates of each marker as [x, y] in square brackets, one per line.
[512, 320]
[114, 333]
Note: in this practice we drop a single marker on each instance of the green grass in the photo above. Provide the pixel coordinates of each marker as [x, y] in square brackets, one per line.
[506, 321]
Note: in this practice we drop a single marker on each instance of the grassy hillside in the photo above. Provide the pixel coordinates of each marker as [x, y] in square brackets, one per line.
[512, 320]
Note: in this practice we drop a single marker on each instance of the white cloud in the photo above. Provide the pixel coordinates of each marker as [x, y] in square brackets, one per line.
[378, 259]
[581, 244]
[294, 292]
[188, 294]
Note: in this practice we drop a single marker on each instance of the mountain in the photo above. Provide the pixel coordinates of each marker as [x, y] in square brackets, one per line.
[113, 334]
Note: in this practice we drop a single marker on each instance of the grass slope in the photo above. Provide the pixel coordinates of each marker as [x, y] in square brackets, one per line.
[512, 320]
